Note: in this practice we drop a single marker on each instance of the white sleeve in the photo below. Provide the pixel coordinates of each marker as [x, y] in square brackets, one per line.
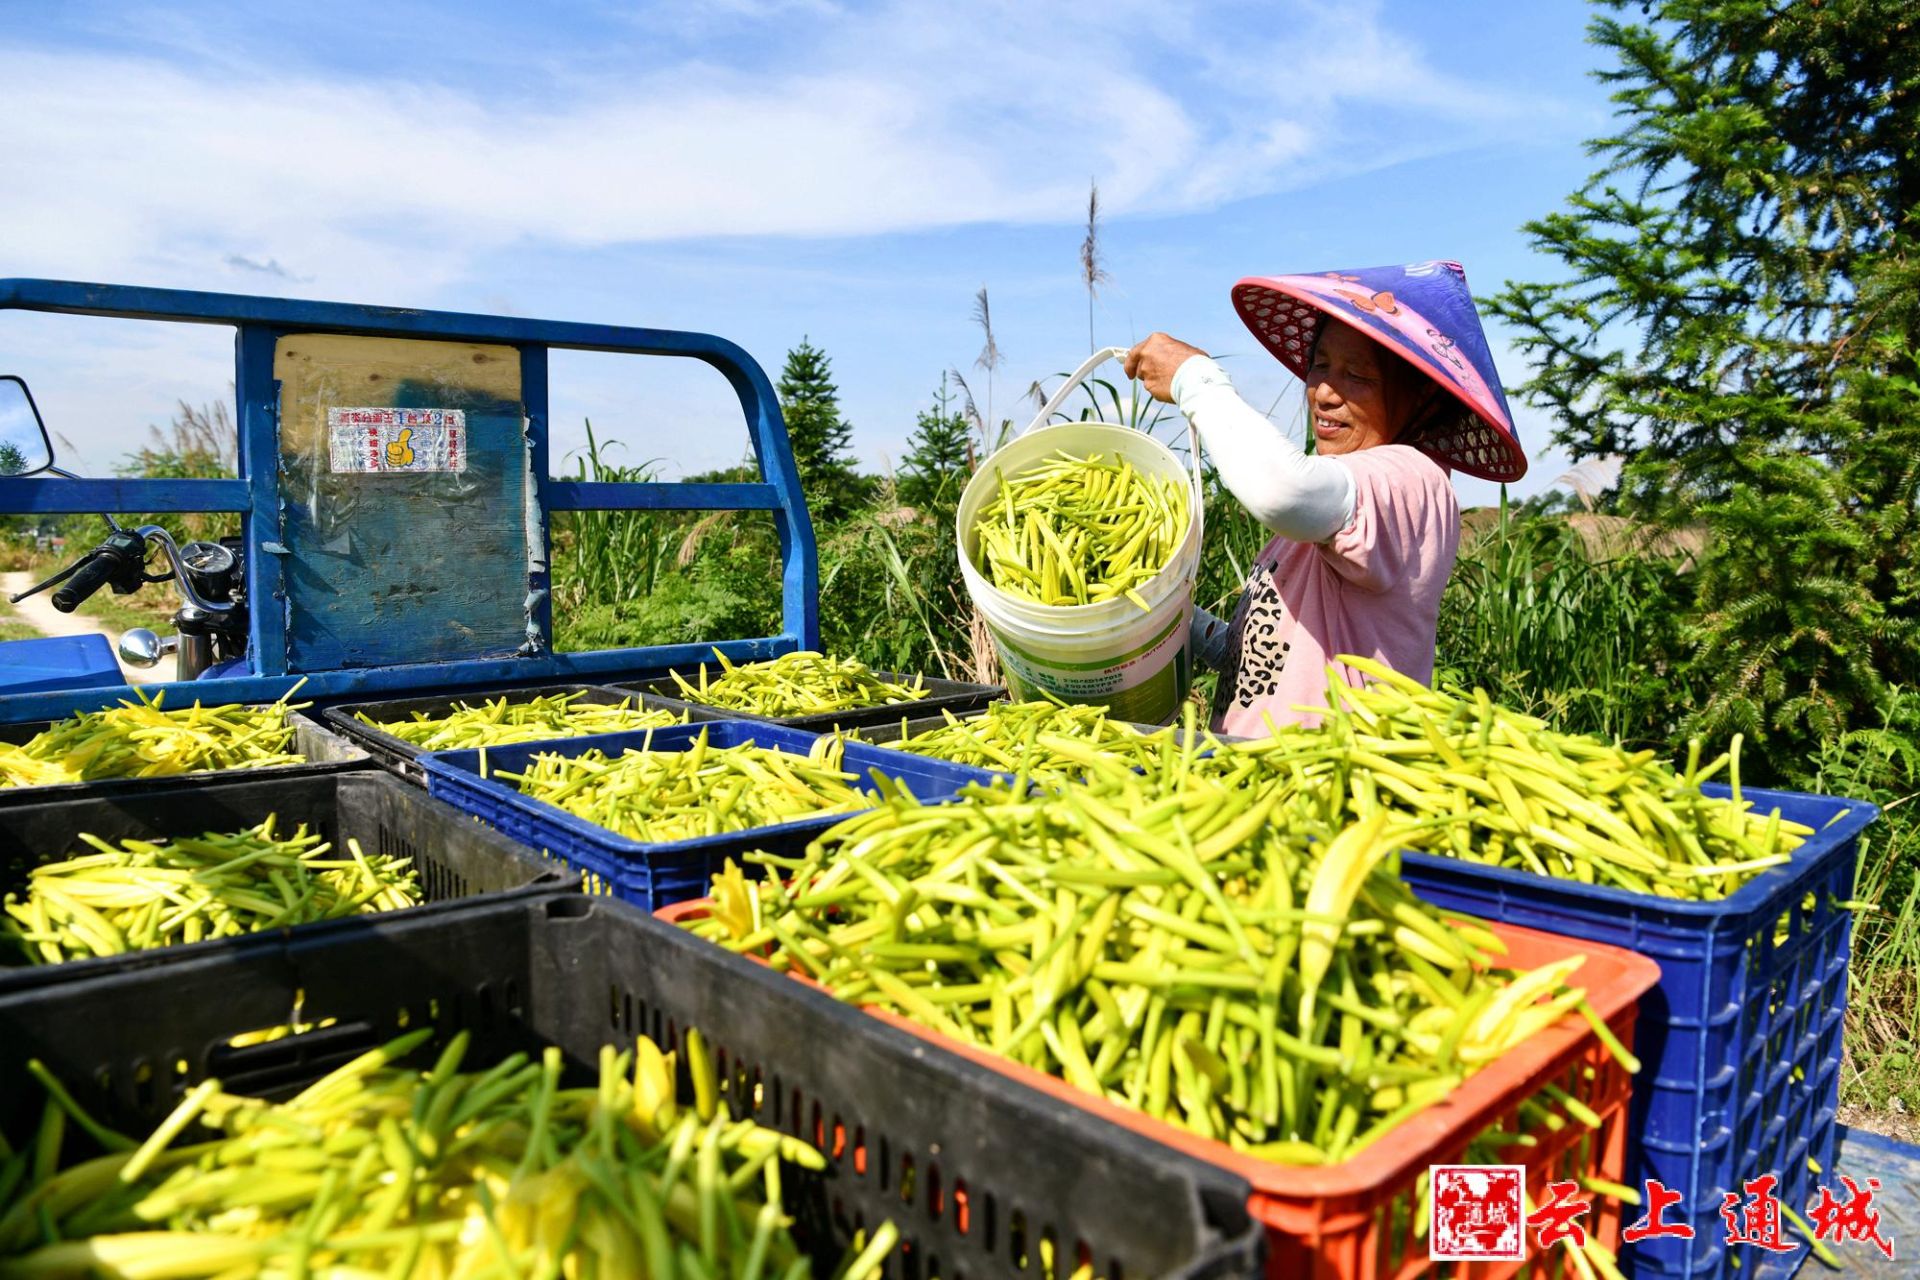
[1308, 499]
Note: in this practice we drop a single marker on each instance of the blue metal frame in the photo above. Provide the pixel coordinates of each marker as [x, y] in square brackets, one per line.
[259, 323]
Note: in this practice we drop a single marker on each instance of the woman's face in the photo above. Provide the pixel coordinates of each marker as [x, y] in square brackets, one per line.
[1354, 398]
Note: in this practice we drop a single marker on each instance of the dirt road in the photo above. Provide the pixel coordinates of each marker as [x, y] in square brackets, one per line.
[38, 612]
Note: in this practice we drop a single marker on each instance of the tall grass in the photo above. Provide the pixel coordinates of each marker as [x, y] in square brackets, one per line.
[890, 594]
[612, 555]
[1881, 764]
[630, 578]
[196, 444]
[1882, 1065]
[1596, 645]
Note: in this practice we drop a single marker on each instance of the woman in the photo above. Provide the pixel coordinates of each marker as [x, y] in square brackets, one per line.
[1401, 391]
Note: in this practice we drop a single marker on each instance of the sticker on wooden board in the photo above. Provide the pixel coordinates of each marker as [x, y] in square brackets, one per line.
[397, 441]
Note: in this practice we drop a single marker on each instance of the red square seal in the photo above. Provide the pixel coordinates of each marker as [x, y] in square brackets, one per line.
[1478, 1213]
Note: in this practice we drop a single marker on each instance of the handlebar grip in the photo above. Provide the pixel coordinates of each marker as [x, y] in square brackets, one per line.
[87, 579]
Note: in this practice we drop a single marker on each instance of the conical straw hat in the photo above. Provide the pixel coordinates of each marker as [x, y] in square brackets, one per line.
[1423, 313]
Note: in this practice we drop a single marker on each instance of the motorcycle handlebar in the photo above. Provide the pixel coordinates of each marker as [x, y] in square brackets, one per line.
[94, 573]
[121, 560]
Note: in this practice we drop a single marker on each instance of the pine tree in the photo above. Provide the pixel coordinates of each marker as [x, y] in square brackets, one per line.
[1737, 315]
[935, 466]
[822, 441]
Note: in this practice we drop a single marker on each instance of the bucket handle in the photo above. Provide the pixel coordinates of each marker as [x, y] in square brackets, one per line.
[1079, 376]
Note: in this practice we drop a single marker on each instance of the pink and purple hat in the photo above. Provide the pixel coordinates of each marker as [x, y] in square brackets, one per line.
[1421, 312]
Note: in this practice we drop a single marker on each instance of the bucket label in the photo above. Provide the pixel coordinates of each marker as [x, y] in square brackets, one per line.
[1146, 685]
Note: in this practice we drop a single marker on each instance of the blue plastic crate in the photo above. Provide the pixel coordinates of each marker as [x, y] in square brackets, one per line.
[59, 662]
[658, 875]
[1740, 1041]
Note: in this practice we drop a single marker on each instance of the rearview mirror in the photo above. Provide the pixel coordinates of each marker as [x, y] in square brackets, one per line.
[24, 446]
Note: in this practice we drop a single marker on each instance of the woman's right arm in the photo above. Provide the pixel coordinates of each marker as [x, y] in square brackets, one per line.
[1308, 499]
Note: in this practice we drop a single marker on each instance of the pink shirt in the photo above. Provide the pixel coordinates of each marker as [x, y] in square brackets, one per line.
[1372, 589]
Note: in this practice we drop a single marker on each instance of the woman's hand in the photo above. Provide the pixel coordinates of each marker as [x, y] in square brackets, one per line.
[1156, 360]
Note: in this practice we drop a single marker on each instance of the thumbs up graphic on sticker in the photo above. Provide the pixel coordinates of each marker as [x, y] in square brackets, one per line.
[400, 452]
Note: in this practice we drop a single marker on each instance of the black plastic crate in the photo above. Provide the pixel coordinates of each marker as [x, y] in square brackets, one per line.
[956, 696]
[926, 1139]
[402, 757]
[325, 751]
[456, 858]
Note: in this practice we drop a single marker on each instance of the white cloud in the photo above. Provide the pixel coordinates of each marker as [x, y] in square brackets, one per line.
[206, 163]
[101, 384]
[898, 118]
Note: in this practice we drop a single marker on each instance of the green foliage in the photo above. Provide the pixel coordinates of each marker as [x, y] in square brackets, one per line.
[822, 441]
[197, 444]
[1597, 645]
[939, 456]
[732, 590]
[1808, 602]
[610, 555]
[1737, 316]
[1109, 401]
[1880, 763]
[891, 595]
[1762, 170]
[629, 578]
[1232, 541]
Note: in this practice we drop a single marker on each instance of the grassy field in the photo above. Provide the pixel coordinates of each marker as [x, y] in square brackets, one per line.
[1880, 1077]
[152, 607]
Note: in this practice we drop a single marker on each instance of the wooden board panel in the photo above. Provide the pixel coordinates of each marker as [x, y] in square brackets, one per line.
[396, 568]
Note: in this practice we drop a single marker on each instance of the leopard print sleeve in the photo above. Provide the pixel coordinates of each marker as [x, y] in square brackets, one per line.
[1256, 654]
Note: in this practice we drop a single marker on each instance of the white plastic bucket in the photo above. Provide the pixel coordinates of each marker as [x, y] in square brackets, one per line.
[1134, 662]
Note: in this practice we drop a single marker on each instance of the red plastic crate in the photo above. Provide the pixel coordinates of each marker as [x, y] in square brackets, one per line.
[1355, 1220]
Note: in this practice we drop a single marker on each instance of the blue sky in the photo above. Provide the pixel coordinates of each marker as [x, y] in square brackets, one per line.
[765, 169]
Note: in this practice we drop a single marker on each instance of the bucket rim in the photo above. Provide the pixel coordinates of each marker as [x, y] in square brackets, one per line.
[1187, 554]
[1133, 433]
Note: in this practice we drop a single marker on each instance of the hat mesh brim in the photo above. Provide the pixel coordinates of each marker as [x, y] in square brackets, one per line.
[1459, 437]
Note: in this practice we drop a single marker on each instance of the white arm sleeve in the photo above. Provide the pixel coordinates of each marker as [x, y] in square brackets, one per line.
[1306, 499]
